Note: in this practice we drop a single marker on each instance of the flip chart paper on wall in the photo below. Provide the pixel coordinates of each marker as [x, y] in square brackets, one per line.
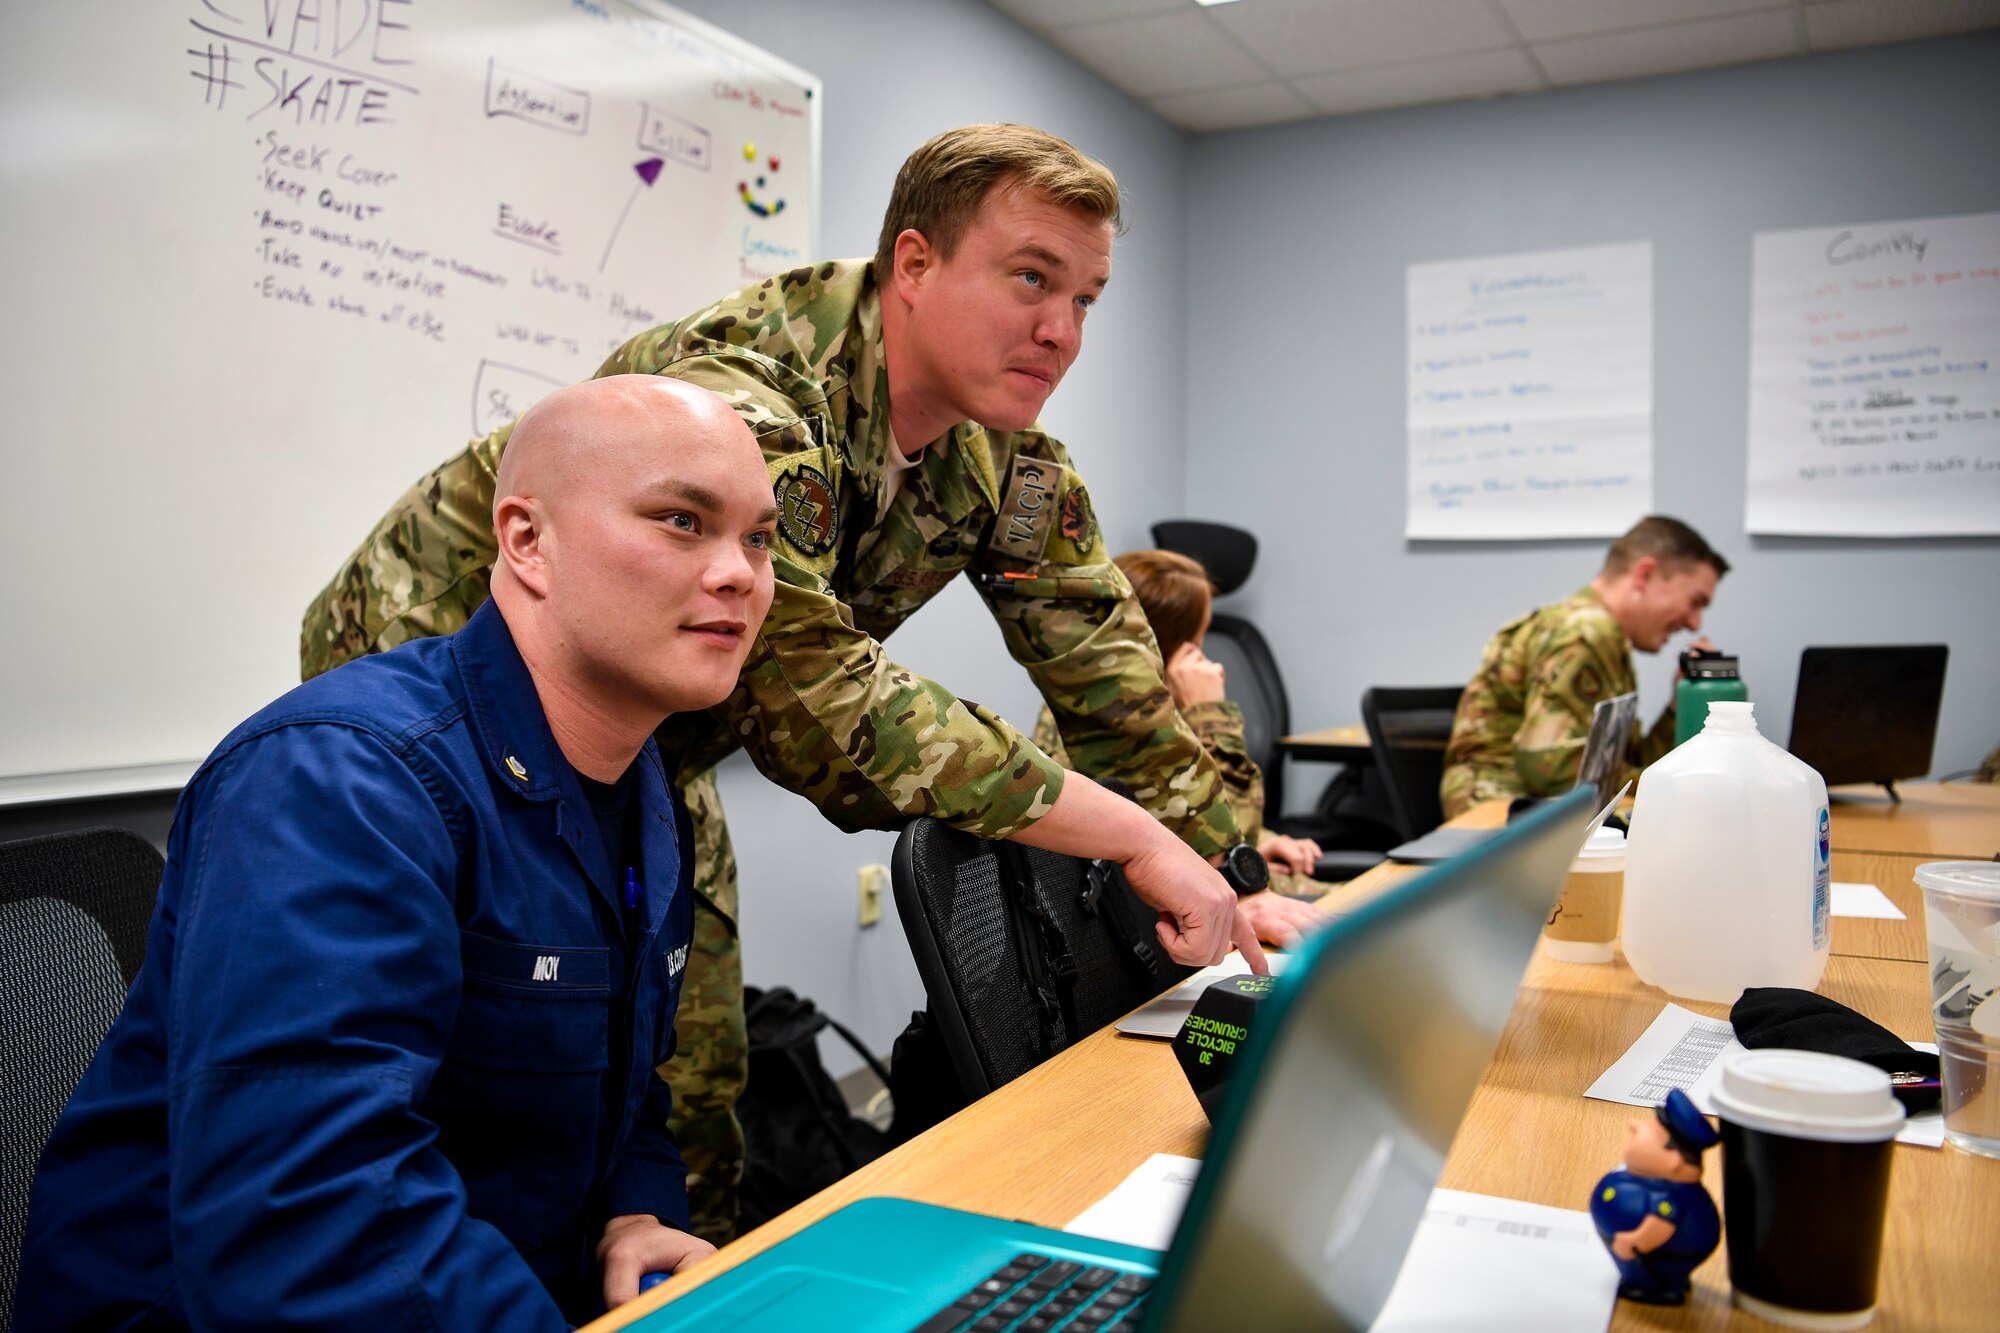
[1875, 379]
[1530, 408]
[268, 262]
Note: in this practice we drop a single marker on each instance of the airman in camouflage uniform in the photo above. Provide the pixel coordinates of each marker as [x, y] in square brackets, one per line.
[1990, 770]
[819, 706]
[1523, 719]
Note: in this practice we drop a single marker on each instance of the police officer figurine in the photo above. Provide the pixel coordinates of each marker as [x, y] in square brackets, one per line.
[1654, 1216]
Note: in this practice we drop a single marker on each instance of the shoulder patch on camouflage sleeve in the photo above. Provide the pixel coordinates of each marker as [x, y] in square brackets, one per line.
[803, 485]
[1077, 538]
[1028, 512]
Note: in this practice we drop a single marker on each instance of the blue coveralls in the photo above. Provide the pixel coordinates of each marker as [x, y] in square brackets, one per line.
[1622, 1200]
[390, 1060]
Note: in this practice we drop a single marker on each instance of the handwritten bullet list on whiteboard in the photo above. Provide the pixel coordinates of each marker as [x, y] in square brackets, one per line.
[340, 239]
[1530, 394]
[1874, 402]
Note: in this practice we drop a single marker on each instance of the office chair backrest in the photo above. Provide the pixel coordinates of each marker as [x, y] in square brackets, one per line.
[1407, 729]
[1227, 553]
[1023, 952]
[74, 908]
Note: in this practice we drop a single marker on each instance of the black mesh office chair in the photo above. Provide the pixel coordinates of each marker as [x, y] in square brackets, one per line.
[1339, 821]
[1023, 952]
[1408, 728]
[74, 908]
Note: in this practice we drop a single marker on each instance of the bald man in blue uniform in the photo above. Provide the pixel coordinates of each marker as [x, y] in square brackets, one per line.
[391, 1060]
[1654, 1216]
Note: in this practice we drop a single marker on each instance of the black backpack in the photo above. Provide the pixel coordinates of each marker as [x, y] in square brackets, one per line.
[798, 1135]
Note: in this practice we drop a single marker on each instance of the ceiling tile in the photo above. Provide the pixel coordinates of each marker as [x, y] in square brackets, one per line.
[1546, 20]
[1234, 108]
[1069, 13]
[1845, 23]
[1315, 36]
[1684, 46]
[1167, 53]
[1483, 74]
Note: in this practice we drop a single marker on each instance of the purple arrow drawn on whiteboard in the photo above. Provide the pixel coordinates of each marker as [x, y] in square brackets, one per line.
[648, 172]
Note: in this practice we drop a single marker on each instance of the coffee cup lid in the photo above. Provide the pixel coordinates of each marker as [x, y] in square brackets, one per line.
[1808, 1095]
[1606, 842]
[1966, 879]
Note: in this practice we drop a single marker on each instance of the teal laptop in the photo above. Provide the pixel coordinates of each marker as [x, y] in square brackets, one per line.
[1317, 1173]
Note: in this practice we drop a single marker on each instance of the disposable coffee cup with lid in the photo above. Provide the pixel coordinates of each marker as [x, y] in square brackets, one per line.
[1806, 1143]
[1583, 925]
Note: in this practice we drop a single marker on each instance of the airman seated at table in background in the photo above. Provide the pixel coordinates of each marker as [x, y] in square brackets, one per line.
[896, 400]
[1178, 597]
[1523, 719]
[390, 1060]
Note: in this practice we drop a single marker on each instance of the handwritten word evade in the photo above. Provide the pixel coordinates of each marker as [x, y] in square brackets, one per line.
[309, 62]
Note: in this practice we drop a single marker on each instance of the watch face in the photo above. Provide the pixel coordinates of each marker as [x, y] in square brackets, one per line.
[1249, 872]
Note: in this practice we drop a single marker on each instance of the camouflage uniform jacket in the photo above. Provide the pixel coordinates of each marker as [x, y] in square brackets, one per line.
[1219, 727]
[1523, 719]
[819, 706]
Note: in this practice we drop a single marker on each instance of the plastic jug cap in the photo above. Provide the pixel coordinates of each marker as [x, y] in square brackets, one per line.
[1736, 717]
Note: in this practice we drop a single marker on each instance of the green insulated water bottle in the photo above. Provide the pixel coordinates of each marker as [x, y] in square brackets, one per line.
[1706, 678]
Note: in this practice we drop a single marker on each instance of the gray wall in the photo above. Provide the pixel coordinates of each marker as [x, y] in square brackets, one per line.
[1298, 238]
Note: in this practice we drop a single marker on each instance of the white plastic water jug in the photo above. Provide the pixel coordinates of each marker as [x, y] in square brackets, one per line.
[1727, 868]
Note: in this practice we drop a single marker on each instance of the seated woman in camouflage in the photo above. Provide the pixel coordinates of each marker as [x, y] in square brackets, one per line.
[1175, 592]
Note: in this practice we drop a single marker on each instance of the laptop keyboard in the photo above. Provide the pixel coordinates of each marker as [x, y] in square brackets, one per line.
[1032, 1293]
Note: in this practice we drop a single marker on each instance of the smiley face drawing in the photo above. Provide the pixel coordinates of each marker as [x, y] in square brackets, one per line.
[750, 201]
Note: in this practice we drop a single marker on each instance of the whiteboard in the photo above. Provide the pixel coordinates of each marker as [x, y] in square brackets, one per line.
[1875, 379]
[1530, 405]
[267, 262]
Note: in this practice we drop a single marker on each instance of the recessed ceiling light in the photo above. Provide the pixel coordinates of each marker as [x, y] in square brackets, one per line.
[1206, 3]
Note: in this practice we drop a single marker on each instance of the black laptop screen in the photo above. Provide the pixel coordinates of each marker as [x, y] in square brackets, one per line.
[1868, 714]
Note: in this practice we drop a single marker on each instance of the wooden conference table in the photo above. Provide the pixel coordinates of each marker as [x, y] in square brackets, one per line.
[1093, 1114]
[1957, 821]
[1332, 745]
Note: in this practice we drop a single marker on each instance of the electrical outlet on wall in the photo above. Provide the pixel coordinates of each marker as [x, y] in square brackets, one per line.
[874, 883]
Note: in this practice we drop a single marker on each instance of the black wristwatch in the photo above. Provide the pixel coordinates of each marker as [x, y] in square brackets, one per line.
[1245, 870]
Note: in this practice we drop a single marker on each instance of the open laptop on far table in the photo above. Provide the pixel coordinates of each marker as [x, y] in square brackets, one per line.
[1357, 1073]
[1869, 714]
[1602, 769]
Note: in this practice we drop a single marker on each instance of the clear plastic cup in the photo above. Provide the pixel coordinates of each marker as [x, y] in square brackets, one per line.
[1962, 921]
